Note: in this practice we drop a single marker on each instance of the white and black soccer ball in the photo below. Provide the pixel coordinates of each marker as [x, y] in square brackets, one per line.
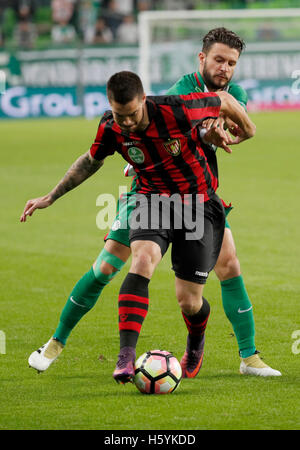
[157, 372]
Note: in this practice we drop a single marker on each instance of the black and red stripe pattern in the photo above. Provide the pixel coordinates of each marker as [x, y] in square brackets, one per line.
[196, 324]
[195, 329]
[133, 308]
[170, 157]
[132, 312]
[105, 142]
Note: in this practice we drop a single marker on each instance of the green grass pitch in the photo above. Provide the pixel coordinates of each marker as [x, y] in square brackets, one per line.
[43, 258]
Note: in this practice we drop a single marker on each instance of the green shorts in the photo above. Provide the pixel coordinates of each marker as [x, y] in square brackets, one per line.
[120, 228]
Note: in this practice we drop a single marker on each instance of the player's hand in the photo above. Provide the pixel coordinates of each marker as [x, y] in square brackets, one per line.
[236, 131]
[217, 136]
[226, 124]
[219, 122]
[35, 203]
[216, 133]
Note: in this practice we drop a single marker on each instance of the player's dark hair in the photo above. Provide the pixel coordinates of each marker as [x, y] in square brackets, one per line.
[123, 87]
[222, 36]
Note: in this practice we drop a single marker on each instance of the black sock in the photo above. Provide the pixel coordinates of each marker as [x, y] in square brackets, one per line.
[133, 308]
[196, 325]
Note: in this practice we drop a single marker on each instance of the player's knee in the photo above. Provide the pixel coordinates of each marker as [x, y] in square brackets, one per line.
[145, 259]
[228, 267]
[143, 264]
[103, 267]
[106, 268]
[189, 303]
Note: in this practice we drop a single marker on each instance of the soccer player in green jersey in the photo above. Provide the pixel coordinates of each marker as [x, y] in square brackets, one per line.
[217, 62]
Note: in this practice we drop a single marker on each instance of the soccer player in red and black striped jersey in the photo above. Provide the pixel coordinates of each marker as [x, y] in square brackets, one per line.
[165, 149]
[159, 136]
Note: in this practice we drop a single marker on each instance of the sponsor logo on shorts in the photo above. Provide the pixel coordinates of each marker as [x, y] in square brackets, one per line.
[173, 146]
[136, 155]
[201, 274]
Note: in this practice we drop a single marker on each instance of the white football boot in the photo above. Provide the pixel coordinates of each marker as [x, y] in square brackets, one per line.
[42, 358]
[255, 366]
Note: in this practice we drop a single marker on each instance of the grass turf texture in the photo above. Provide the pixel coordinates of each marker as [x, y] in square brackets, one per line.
[43, 258]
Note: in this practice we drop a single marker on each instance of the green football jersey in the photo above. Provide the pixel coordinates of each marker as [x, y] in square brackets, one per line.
[193, 82]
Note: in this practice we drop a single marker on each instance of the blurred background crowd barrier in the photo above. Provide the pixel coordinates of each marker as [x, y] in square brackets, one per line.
[56, 55]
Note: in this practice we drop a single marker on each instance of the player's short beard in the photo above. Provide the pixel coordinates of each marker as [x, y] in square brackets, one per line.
[209, 82]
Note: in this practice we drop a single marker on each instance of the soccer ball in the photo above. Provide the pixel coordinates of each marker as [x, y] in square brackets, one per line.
[157, 372]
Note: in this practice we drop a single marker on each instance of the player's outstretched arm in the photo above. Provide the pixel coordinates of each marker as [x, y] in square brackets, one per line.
[234, 111]
[81, 169]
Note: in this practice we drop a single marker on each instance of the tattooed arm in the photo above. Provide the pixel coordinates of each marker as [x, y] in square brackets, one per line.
[81, 169]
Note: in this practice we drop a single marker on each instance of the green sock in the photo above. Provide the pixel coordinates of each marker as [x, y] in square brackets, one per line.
[238, 309]
[82, 298]
[85, 294]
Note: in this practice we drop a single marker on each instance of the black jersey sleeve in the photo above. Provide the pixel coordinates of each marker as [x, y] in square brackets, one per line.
[105, 141]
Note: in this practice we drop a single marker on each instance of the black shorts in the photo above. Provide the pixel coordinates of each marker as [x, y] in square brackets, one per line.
[195, 250]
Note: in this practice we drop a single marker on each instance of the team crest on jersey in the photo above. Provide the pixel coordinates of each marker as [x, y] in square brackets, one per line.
[136, 155]
[173, 146]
